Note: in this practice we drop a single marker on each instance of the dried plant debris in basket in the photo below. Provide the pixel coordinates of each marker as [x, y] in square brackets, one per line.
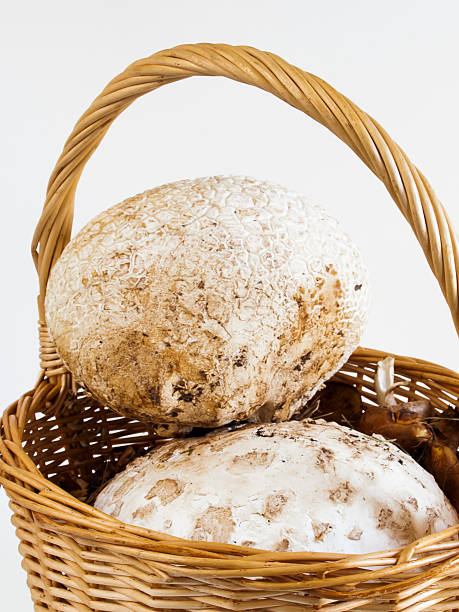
[442, 461]
[204, 301]
[441, 455]
[446, 426]
[299, 485]
[403, 422]
[336, 402]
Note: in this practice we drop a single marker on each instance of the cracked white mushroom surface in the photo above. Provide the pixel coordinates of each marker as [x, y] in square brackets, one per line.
[300, 485]
[202, 301]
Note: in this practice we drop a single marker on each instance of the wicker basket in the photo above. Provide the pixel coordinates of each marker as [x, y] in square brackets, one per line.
[57, 445]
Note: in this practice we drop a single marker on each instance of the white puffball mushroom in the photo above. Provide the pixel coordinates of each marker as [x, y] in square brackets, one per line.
[295, 486]
[207, 301]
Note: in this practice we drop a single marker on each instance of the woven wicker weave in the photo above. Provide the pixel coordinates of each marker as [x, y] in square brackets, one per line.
[57, 446]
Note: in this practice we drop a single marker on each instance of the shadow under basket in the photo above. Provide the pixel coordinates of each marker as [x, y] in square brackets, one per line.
[58, 447]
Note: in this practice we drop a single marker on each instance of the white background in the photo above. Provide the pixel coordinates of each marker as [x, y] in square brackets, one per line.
[397, 59]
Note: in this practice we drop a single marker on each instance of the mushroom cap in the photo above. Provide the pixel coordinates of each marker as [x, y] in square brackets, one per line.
[206, 301]
[299, 485]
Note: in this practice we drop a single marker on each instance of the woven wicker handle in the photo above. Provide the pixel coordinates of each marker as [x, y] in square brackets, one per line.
[405, 183]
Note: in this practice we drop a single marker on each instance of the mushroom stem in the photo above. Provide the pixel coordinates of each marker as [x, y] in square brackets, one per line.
[385, 383]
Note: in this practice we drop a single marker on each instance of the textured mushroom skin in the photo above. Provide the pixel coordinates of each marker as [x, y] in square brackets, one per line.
[203, 301]
[300, 485]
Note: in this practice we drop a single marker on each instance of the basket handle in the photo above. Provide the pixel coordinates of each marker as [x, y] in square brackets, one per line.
[406, 184]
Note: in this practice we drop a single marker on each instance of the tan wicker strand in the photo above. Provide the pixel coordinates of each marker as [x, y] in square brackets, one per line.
[58, 446]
